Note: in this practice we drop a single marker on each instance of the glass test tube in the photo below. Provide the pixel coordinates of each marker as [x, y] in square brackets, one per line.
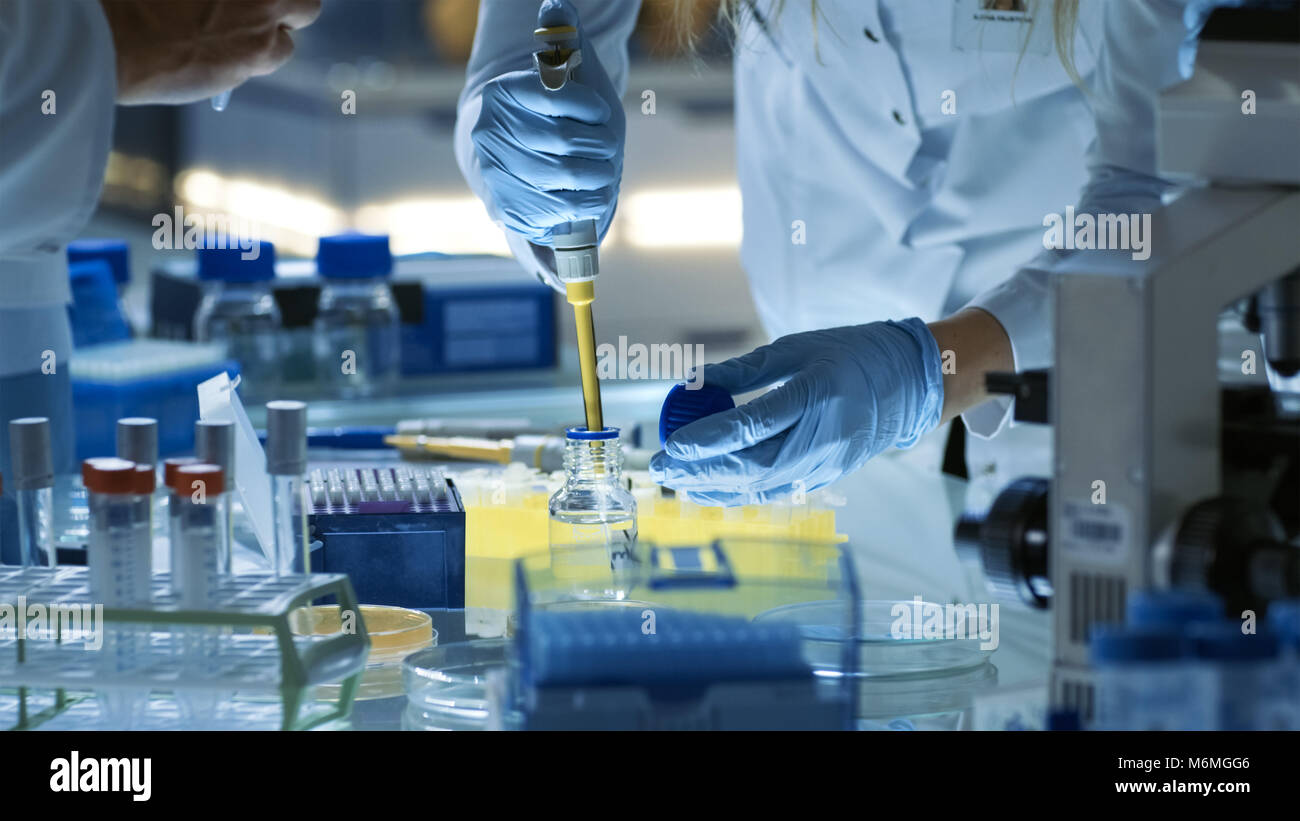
[199, 525]
[173, 535]
[214, 444]
[33, 481]
[286, 463]
[118, 558]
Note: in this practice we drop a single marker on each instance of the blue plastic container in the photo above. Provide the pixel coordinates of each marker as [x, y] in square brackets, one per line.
[466, 329]
[103, 394]
[1244, 667]
[95, 315]
[1148, 679]
[113, 252]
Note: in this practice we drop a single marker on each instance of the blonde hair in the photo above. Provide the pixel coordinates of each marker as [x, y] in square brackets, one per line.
[1065, 18]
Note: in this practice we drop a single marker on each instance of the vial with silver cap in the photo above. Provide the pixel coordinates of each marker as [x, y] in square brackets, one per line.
[286, 462]
[33, 481]
[593, 517]
[214, 444]
[137, 441]
[170, 465]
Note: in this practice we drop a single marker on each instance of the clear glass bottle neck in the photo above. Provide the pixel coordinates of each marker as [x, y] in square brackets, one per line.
[591, 462]
[240, 289]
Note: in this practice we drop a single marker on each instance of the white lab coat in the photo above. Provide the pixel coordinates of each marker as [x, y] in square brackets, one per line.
[55, 57]
[907, 211]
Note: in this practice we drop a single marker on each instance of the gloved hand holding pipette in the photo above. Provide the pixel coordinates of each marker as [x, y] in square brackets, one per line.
[182, 52]
[549, 156]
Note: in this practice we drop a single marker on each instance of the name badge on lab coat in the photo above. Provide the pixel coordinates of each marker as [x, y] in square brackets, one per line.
[985, 25]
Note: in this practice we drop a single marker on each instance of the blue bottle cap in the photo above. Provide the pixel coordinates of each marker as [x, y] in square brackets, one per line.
[684, 404]
[229, 264]
[354, 256]
[1119, 644]
[114, 252]
[1224, 641]
[94, 314]
[584, 435]
[1284, 620]
[1173, 608]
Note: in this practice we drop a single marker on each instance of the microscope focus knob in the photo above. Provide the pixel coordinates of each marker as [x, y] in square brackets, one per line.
[1011, 542]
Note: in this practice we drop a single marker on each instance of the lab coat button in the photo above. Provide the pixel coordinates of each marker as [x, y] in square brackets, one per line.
[898, 118]
[870, 35]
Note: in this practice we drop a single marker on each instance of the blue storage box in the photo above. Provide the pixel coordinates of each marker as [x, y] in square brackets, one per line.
[405, 549]
[145, 377]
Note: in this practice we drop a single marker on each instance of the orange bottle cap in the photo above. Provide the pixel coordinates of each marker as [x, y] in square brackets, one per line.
[108, 474]
[170, 465]
[145, 480]
[188, 478]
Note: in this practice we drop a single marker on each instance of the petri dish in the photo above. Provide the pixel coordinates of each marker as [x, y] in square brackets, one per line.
[448, 687]
[395, 633]
[885, 646]
[926, 701]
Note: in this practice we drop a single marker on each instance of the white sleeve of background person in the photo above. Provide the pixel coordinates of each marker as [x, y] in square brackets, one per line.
[504, 42]
[55, 57]
[1137, 58]
[58, 86]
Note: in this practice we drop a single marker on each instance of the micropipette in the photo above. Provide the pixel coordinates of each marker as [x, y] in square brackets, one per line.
[577, 258]
[220, 101]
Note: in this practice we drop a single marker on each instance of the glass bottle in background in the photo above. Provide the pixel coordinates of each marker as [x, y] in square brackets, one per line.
[239, 310]
[592, 529]
[357, 328]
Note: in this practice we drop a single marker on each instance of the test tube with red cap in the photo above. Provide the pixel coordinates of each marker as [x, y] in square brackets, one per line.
[118, 559]
[198, 524]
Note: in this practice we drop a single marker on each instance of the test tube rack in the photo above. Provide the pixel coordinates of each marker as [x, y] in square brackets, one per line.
[260, 656]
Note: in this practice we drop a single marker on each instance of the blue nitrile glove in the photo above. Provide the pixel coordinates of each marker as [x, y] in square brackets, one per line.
[851, 393]
[551, 157]
[1195, 15]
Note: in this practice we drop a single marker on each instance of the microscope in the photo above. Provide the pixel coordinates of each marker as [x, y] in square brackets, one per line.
[1167, 473]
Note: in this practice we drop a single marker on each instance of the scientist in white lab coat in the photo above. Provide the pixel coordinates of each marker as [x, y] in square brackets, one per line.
[897, 161]
[64, 64]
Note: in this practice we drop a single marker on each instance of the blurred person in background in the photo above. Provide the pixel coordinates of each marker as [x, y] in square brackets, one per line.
[64, 65]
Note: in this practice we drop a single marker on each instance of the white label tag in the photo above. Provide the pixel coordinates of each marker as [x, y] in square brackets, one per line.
[1001, 25]
[1098, 533]
[218, 400]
